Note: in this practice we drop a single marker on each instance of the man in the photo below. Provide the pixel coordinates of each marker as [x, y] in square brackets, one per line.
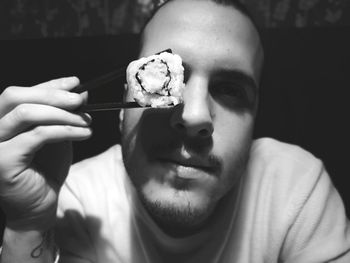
[188, 183]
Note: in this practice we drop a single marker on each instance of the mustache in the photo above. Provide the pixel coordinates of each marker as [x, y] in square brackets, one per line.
[215, 161]
[197, 148]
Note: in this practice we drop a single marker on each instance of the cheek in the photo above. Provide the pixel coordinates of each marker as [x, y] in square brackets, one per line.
[232, 140]
[231, 130]
[237, 132]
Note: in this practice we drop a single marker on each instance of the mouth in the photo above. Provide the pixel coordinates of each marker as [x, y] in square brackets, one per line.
[188, 163]
[178, 161]
[188, 168]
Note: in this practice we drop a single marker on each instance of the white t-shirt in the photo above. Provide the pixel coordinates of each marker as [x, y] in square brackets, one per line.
[284, 209]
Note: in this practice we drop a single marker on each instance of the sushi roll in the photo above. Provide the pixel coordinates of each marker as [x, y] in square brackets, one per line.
[157, 80]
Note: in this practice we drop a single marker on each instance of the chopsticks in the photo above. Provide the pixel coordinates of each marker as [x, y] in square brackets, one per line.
[101, 81]
[110, 106]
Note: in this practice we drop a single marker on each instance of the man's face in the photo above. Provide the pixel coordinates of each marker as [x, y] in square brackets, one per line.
[183, 160]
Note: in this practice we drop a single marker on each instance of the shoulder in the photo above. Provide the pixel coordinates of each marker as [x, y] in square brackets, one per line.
[271, 149]
[281, 178]
[286, 173]
[284, 157]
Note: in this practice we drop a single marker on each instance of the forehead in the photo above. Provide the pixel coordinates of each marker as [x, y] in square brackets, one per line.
[203, 30]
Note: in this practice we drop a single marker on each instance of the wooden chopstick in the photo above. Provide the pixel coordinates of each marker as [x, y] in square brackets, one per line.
[101, 81]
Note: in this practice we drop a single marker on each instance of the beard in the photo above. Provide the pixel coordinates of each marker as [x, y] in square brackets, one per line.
[175, 220]
[170, 208]
[179, 217]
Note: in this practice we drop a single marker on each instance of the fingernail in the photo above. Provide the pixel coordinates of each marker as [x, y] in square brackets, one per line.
[87, 118]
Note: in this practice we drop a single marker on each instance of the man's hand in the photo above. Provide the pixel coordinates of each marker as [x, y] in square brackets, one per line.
[37, 125]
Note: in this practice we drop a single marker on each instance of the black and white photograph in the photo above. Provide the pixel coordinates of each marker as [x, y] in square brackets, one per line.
[174, 131]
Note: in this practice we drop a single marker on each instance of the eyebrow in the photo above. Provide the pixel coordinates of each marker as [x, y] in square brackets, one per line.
[234, 74]
[238, 75]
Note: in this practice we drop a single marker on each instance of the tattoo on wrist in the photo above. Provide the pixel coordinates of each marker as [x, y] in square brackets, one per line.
[46, 242]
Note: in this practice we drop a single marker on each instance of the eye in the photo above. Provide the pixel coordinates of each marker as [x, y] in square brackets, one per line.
[229, 90]
[230, 94]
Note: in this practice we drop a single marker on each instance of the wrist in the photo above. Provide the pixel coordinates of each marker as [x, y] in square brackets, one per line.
[30, 224]
[28, 246]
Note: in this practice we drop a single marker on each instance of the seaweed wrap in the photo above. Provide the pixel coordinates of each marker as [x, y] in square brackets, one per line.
[157, 80]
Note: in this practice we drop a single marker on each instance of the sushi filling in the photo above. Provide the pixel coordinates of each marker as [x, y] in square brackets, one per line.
[157, 80]
[154, 77]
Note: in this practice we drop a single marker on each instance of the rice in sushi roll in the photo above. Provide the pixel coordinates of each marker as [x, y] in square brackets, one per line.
[157, 80]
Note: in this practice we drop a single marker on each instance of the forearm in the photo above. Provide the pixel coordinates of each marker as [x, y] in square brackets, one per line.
[28, 246]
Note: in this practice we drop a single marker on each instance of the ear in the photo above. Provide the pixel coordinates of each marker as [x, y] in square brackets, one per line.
[121, 119]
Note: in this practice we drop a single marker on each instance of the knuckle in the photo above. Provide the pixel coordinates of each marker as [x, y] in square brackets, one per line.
[38, 131]
[52, 83]
[45, 85]
[73, 131]
[56, 97]
[10, 93]
[68, 129]
[55, 83]
[49, 83]
[52, 97]
[48, 94]
[22, 112]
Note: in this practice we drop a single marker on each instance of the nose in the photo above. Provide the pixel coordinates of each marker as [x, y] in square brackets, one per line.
[194, 117]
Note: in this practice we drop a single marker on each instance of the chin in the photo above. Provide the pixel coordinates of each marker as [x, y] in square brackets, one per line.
[177, 212]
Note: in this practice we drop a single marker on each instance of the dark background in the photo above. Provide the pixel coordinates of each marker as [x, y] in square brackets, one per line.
[21, 19]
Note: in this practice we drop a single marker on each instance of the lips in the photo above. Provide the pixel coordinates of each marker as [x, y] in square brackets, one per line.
[191, 163]
[186, 161]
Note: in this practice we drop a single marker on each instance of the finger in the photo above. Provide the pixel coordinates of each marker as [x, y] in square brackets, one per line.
[13, 96]
[85, 96]
[25, 116]
[22, 148]
[66, 83]
[34, 139]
